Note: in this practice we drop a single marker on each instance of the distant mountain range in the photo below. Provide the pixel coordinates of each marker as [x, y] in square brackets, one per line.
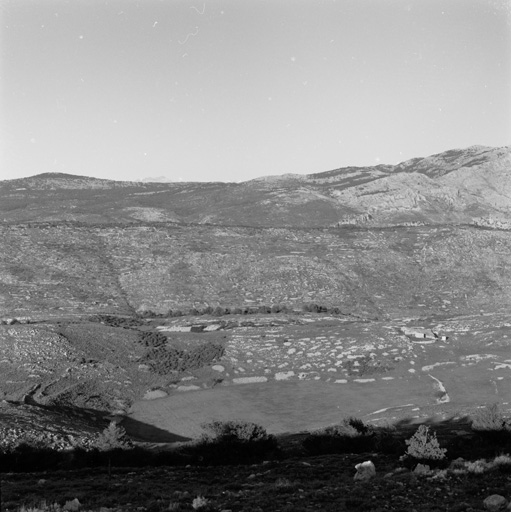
[457, 186]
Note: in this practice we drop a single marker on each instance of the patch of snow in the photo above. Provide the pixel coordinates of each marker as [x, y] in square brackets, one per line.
[284, 375]
[431, 366]
[445, 398]
[249, 380]
[174, 328]
[155, 393]
[188, 388]
[499, 366]
[212, 327]
[478, 357]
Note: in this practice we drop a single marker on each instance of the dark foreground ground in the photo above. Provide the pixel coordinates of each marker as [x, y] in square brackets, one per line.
[316, 483]
[294, 480]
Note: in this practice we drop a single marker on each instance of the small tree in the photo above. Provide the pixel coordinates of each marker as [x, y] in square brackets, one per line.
[423, 445]
[113, 437]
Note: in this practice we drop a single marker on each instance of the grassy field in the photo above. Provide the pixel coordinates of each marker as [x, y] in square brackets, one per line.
[279, 406]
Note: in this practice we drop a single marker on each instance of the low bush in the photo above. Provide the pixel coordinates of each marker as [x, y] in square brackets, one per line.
[491, 427]
[349, 436]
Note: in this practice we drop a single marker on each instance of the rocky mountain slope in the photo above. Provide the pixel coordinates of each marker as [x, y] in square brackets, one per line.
[461, 186]
[65, 270]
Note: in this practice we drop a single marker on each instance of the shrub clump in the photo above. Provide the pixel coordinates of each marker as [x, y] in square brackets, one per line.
[226, 442]
[489, 418]
[152, 339]
[349, 436]
[165, 360]
[235, 431]
[424, 446]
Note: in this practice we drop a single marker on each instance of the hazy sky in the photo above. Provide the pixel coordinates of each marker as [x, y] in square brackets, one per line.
[228, 90]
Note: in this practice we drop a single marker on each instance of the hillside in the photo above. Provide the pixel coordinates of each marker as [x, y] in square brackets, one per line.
[65, 270]
[461, 186]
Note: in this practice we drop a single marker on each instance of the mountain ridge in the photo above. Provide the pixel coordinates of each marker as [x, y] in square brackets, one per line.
[460, 185]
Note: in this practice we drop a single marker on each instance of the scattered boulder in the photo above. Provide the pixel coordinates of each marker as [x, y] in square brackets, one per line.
[365, 471]
[495, 502]
[72, 506]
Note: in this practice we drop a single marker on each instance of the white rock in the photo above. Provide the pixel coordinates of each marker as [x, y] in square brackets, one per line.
[365, 471]
[218, 368]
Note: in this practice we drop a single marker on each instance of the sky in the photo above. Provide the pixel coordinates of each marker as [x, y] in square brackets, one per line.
[231, 90]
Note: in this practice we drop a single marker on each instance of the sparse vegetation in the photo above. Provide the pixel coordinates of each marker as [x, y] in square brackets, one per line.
[227, 442]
